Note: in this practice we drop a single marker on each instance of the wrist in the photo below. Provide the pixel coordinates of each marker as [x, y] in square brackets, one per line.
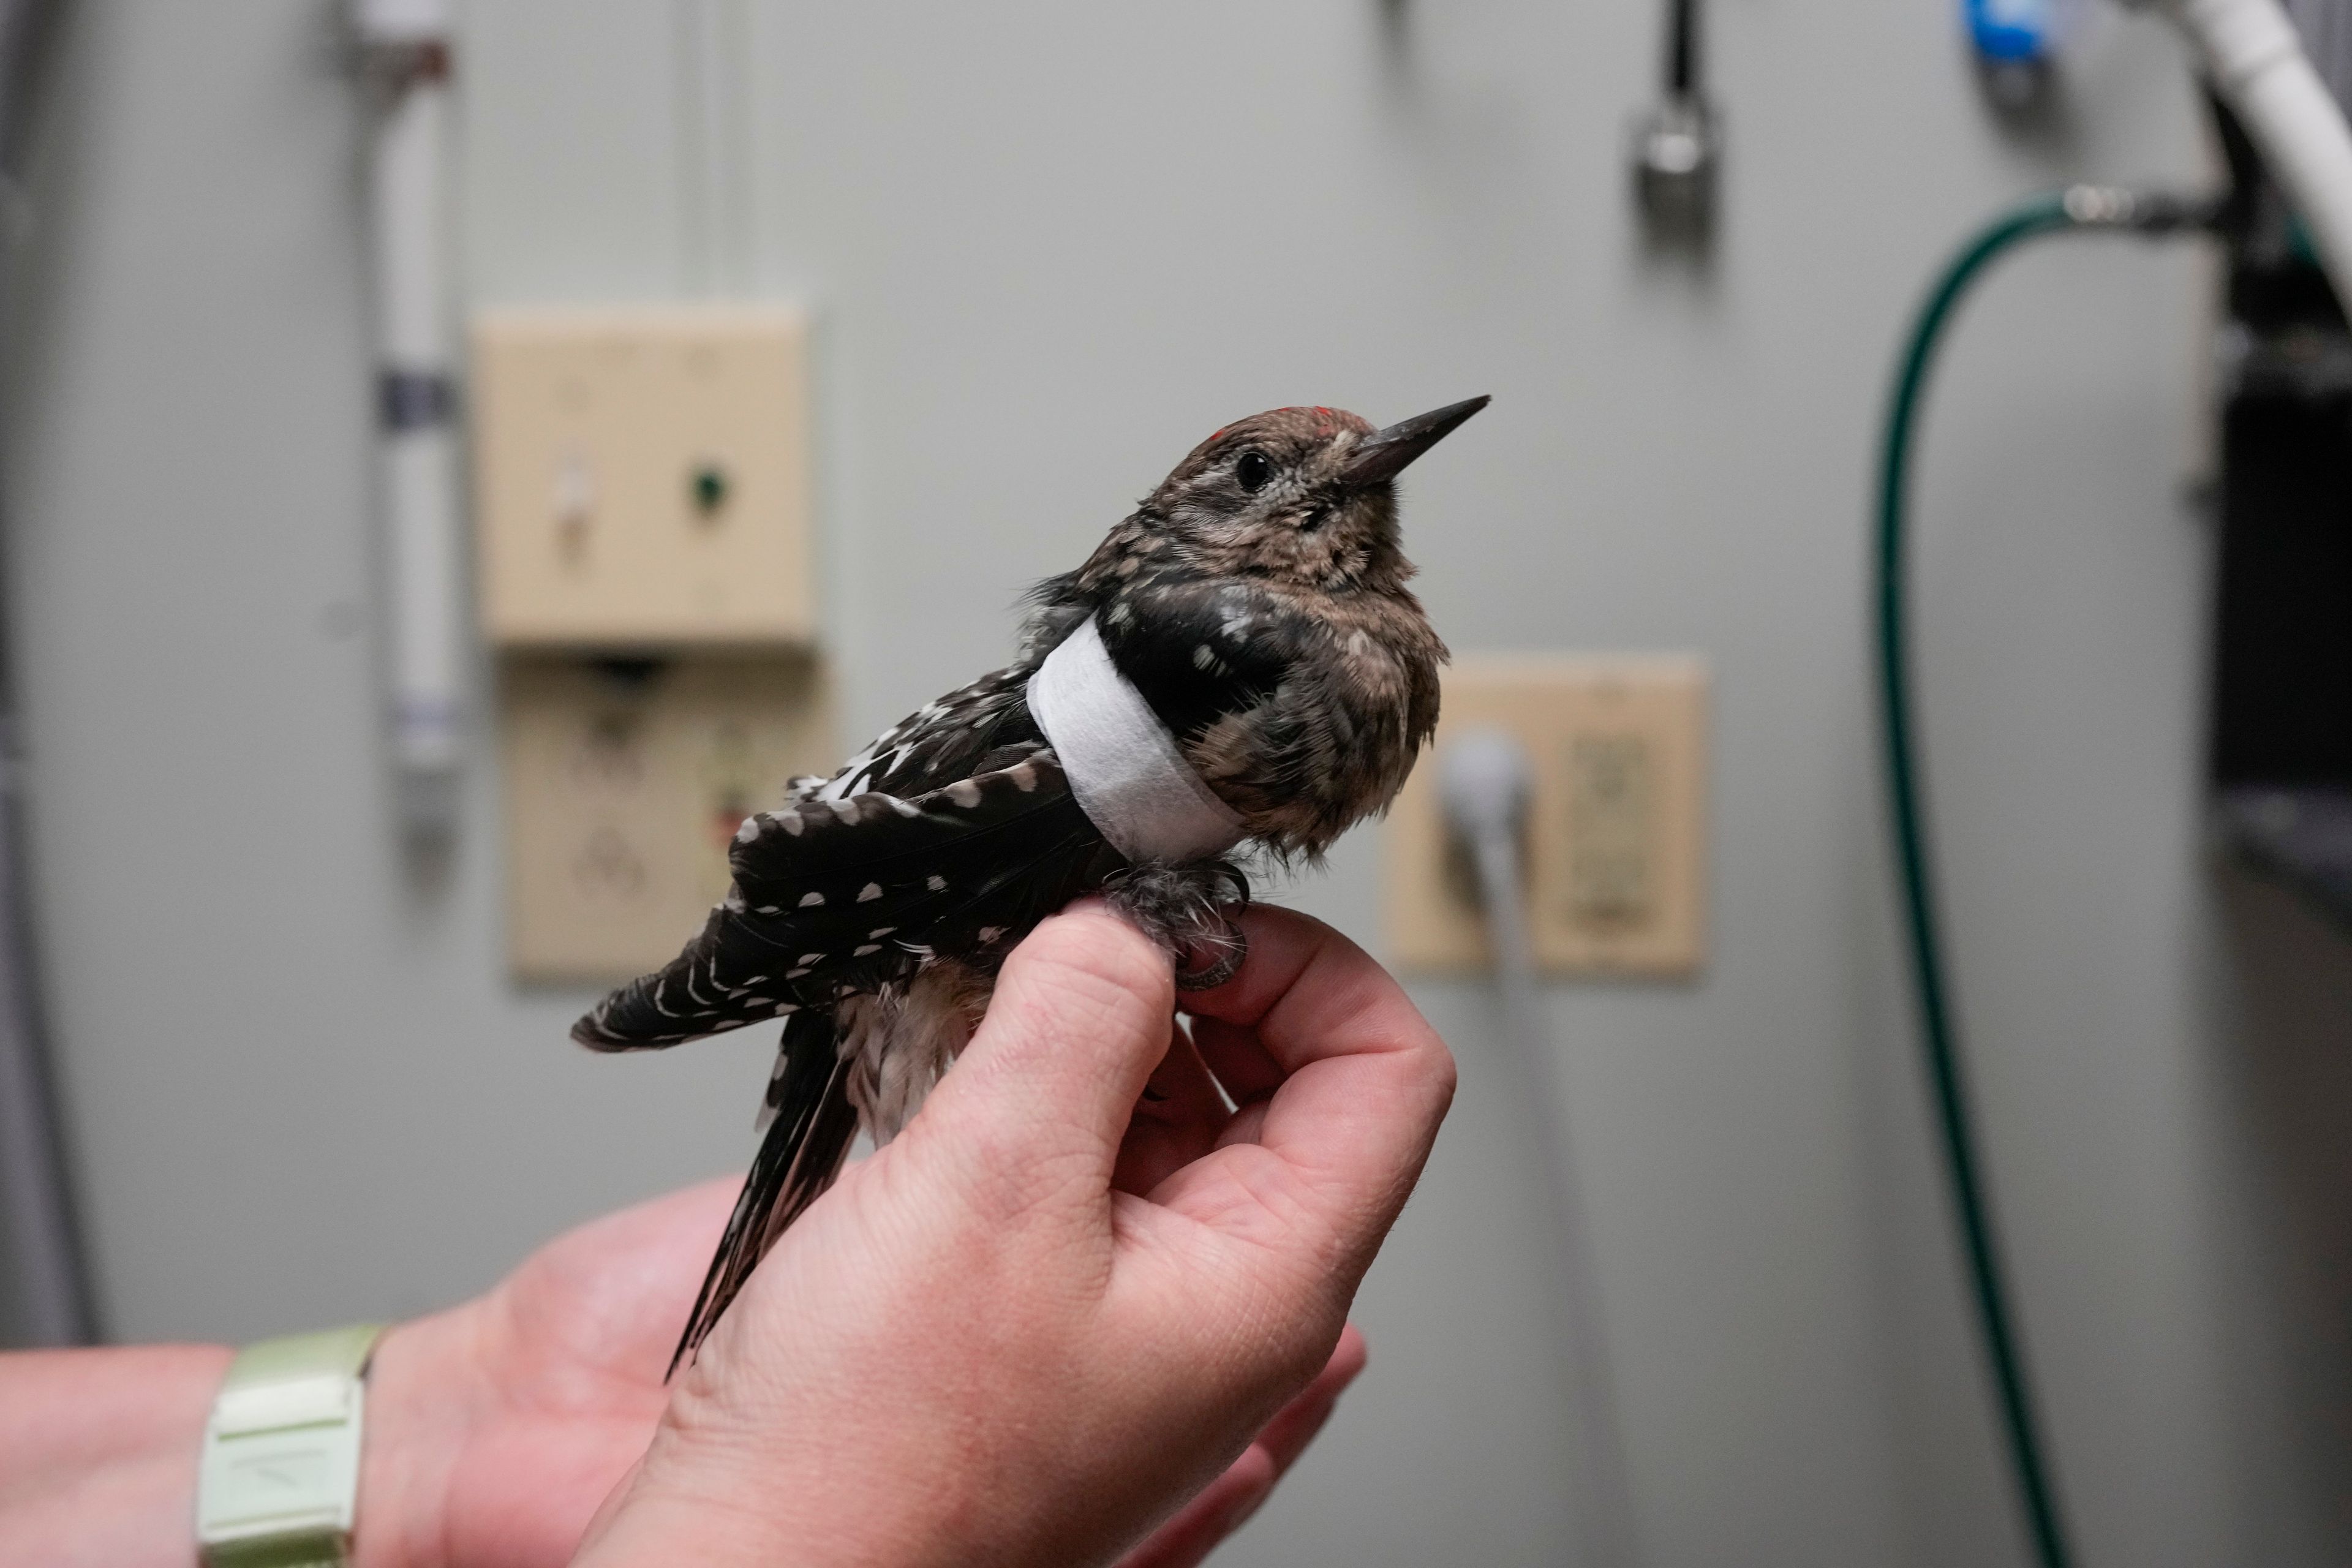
[420, 1389]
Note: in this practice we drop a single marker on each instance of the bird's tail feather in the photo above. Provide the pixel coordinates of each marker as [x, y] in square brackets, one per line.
[814, 1127]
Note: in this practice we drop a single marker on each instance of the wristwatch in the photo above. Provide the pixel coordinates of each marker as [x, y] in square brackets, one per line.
[281, 1456]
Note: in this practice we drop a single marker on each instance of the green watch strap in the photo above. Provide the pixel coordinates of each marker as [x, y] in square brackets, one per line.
[282, 1457]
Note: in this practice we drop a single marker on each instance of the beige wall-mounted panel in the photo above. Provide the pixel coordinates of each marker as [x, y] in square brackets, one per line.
[642, 477]
[625, 785]
[1617, 830]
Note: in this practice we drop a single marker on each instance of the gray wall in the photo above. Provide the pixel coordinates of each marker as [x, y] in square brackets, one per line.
[1049, 245]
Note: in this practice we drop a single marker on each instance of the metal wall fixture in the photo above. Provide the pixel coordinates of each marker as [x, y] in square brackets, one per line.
[1677, 143]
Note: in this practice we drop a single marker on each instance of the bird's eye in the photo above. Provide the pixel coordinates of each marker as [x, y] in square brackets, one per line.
[1252, 469]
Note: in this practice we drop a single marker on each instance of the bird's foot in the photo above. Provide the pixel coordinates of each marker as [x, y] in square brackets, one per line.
[1225, 953]
[1184, 909]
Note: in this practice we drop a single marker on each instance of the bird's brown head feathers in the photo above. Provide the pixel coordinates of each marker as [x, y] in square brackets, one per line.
[1303, 497]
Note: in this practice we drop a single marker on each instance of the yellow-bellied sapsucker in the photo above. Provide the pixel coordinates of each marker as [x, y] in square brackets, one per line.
[1238, 663]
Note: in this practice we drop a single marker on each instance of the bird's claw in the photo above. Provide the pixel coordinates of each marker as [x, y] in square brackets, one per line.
[1230, 949]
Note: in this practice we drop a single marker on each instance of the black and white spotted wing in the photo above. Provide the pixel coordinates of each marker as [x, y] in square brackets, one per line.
[953, 834]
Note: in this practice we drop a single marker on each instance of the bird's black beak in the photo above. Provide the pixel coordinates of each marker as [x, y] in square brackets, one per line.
[1383, 454]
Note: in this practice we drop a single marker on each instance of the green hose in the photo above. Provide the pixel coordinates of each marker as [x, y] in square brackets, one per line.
[2079, 207]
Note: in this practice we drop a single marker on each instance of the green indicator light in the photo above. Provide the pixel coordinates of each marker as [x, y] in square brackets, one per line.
[710, 487]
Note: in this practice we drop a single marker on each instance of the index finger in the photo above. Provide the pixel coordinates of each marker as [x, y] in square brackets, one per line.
[1365, 1080]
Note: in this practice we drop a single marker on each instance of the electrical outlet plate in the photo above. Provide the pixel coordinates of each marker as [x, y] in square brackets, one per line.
[1616, 831]
[642, 477]
[625, 781]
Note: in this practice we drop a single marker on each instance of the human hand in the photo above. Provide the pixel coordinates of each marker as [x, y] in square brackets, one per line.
[497, 1428]
[1055, 1308]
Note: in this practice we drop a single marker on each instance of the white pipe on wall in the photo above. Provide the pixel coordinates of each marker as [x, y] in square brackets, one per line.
[2257, 63]
[406, 45]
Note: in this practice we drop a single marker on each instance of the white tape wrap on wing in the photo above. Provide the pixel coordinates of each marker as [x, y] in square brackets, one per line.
[1132, 783]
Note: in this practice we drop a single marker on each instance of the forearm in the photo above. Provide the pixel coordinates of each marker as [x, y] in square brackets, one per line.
[98, 1449]
[98, 1454]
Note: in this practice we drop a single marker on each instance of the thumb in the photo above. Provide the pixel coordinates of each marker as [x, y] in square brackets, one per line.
[1080, 1017]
